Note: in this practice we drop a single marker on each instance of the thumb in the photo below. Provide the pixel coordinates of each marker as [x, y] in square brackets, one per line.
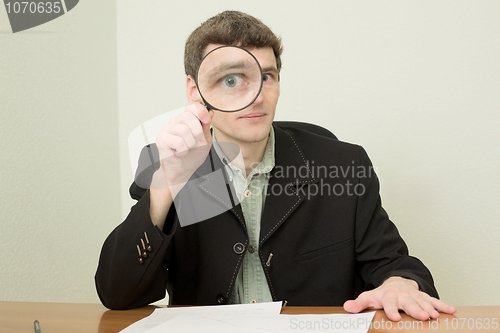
[206, 129]
[357, 305]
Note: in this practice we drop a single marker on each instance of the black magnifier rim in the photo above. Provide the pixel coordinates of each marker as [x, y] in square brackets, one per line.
[211, 107]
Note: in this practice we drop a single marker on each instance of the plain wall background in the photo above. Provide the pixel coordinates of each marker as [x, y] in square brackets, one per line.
[59, 161]
[414, 82]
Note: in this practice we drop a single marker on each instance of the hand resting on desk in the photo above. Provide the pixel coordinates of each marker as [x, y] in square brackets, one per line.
[398, 293]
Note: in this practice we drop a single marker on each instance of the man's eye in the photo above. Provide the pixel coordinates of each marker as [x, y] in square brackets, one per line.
[230, 81]
[268, 77]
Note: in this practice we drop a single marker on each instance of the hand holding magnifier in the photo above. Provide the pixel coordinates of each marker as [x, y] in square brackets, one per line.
[229, 79]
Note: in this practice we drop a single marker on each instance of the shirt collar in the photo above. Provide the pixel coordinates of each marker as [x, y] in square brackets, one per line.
[265, 166]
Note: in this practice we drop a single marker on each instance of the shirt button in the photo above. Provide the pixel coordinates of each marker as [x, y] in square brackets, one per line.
[224, 160]
[247, 193]
[221, 299]
[238, 248]
[251, 249]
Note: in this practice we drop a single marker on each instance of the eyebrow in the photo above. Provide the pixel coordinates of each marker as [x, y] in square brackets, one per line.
[270, 69]
[216, 71]
[225, 67]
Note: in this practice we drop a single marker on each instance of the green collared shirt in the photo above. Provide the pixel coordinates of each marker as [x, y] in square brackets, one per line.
[251, 284]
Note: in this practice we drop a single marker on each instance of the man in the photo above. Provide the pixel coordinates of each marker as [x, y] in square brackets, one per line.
[305, 238]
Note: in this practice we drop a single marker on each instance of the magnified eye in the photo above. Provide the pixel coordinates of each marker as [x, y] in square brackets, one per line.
[230, 81]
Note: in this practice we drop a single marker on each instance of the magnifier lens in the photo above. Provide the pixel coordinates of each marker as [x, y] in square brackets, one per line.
[229, 79]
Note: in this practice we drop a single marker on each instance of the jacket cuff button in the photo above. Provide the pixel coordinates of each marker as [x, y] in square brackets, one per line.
[221, 299]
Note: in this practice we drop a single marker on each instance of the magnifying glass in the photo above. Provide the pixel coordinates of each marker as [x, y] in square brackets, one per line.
[229, 79]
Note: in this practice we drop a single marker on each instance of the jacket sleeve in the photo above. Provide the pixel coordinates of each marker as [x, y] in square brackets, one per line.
[380, 250]
[132, 270]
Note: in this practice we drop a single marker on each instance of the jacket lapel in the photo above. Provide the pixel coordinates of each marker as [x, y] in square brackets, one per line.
[210, 182]
[291, 171]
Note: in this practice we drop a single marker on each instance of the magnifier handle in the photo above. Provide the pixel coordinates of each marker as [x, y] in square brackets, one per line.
[206, 104]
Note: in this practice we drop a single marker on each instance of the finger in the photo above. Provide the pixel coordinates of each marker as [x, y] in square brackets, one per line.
[168, 138]
[163, 145]
[441, 306]
[413, 309]
[177, 144]
[426, 304]
[391, 308]
[200, 112]
[194, 125]
[187, 126]
[204, 117]
[206, 129]
[353, 306]
[186, 133]
[359, 304]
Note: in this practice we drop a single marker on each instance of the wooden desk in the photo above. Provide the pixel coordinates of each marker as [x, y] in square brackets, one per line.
[89, 318]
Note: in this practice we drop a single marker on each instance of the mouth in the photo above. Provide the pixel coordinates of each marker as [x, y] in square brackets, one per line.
[256, 116]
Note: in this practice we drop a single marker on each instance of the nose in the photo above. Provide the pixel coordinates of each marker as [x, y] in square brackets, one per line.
[259, 99]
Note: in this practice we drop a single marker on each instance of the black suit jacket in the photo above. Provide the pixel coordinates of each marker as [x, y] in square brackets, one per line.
[323, 223]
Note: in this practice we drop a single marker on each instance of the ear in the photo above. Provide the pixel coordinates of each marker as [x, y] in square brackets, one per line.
[193, 95]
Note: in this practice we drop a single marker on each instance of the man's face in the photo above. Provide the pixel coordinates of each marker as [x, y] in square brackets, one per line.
[252, 124]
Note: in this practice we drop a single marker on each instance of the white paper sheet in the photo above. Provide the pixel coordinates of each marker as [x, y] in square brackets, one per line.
[251, 323]
[162, 315]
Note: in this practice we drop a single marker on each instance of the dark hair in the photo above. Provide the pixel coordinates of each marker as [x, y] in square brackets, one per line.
[229, 28]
